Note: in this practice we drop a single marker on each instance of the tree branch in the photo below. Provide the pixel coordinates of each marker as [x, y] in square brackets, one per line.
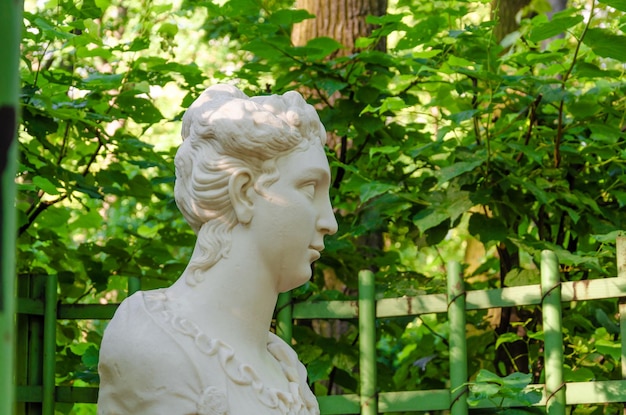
[559, 129]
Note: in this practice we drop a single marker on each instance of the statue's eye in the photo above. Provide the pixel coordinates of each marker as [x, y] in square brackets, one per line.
[309, 190]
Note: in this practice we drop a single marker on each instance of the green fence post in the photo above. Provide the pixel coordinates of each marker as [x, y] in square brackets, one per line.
[553, 334]
[10, 36]
[284, 317]
[620, 253]
[458, 344]
[29, 357]
[49, 344]
[367, 342]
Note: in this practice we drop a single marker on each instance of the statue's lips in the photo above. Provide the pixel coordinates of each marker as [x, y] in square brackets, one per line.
[315, 255]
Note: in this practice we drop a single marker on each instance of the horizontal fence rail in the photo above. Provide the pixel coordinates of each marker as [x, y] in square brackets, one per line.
[387, 307]
[551, 293]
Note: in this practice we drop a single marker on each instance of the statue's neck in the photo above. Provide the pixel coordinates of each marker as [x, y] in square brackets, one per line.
[229, 303]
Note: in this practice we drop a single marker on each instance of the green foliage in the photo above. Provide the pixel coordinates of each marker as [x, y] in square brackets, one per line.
[96, 185]
[449, 138]
[489, 387]
[445, 141]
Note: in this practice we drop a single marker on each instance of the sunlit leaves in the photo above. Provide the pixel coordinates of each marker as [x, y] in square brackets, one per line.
[94, 192]
[617, 4]
[441, 137]
[606, 43]
[513, 388]
[543, 28]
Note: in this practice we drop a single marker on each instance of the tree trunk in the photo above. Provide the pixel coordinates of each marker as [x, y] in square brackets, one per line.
[505, 13]
[343, 21]
[10, 35]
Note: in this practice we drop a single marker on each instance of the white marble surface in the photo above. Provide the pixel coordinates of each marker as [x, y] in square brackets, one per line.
[252, 180]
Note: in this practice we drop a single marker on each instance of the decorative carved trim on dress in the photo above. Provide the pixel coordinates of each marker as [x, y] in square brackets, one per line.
[298, 401]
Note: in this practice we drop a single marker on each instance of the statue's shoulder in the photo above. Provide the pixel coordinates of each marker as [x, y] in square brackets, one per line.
[132, 322]
[146, 368]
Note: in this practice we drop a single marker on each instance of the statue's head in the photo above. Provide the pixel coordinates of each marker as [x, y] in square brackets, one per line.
[224, 131]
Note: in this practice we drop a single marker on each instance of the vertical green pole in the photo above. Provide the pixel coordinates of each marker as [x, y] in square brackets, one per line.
[553, 333]
[284, 317]
[35, 328]
[620, 252]
[10, 35]
[49, 344]
[134, 285]
[458, 343]
[367, 342]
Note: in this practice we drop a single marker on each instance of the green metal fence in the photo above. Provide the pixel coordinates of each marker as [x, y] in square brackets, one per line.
[38, 310]
[10, 35]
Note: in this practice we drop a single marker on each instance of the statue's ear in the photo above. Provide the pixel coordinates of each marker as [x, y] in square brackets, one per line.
[239, 186]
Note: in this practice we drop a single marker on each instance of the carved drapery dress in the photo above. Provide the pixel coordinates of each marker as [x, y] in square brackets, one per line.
[153, 362]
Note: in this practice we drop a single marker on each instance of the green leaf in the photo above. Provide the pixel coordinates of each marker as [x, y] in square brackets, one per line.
[319, 369]
[384, 150]
[51, 30]
[581, 374]
[289, 17]
[373, 189]
[487, 229]
[454, 203]
[139, 109]
[482, 391]
[459, 117]
[556, 26]
[429, 218]
[616, 4]
[320, 47]
[606, 43]
[448, 173]
[541, 195]
[364, 42]
[367, 94]
[609, 348]
[102, 4]
[507, 338]
[45, 185]
[606, 321]
[392, 104]
[589, 70]
[330, 85]
[609, 237]
[102, 81]
[55, 217]
[520, 276]
[90, 357]
[517, 381]
[457, 61]
[486, 376]
[168, 30]
[369, 123]
[310, 354]
[605, 133]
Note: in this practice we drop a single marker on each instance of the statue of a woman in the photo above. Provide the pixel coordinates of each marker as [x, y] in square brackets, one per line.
[252, 180]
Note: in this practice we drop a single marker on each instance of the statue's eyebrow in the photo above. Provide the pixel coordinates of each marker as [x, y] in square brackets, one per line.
[316, 173]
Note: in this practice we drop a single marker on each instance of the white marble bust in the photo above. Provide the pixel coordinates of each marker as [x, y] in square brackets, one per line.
[252, 180]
